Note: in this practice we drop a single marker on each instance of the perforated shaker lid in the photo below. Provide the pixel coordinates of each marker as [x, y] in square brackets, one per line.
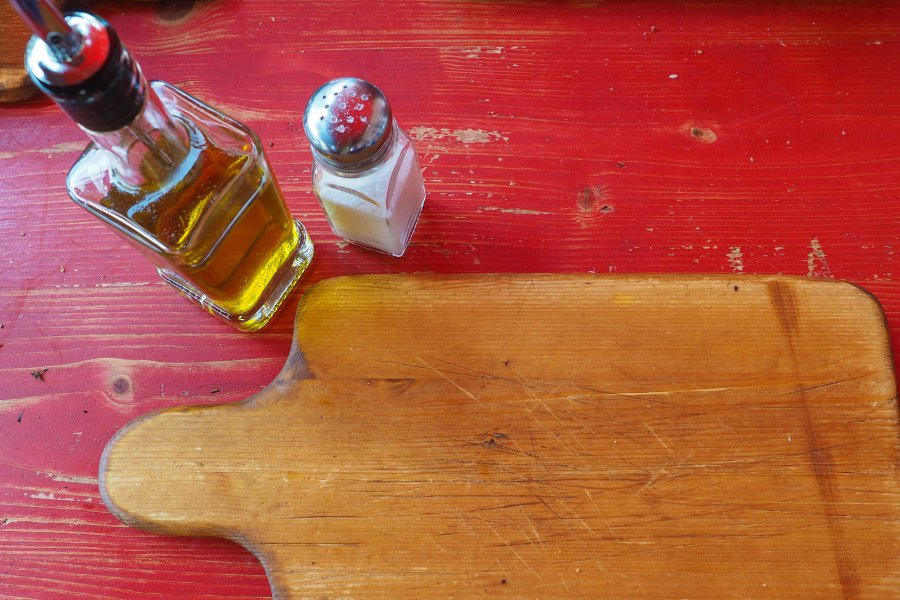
[348, 123]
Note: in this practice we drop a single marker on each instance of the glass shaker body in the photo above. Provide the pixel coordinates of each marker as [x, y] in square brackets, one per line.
[192, 189]
[377, 208]
[366, 173]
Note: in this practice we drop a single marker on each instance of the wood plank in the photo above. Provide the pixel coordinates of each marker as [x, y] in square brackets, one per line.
[641, 436]
[14, 82]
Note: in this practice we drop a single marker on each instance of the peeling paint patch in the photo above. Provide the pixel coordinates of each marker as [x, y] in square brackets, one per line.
[73, 479]
[477, 51]
[591, 199]
[816, 261]
[122, 284]
[513, 211]
[69, 146]
[52, 496]
[62, 147]
[466, 136]
[736, 259]
[593, 204]
[703, 134]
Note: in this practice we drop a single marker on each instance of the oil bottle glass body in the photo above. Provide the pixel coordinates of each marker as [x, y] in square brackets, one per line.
[379, 207]
[192, 189]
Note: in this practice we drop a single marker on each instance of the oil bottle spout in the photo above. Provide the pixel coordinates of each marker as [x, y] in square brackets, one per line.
[48, 23]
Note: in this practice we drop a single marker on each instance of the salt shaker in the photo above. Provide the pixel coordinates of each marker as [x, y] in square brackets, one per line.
[365, 171]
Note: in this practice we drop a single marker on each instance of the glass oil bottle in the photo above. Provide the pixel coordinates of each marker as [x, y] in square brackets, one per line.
[187, 185]
[365, 171]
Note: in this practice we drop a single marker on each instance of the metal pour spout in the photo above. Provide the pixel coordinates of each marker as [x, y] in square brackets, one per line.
[48, 23]
[79, 61]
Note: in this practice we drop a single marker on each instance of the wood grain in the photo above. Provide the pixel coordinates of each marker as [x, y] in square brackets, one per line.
[552, 139]
[573, 437]
[14, 82]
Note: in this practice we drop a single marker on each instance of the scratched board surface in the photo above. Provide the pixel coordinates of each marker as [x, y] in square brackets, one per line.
[571, 137]
[551, 436]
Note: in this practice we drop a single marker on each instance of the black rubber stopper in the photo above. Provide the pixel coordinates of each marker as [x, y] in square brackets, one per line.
[110, 98]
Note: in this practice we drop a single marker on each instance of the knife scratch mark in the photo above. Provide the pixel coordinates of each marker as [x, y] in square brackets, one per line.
[658, 439]
[453, 383]
[512, 549]
[578, 518]
[602, 516]
[650, 481]
[537, 535]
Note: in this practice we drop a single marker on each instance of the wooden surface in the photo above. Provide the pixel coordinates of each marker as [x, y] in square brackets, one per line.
[557, 436]
[553, 138]
[14, 82]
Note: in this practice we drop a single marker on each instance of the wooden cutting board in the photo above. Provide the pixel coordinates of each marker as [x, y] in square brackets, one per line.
[548, 437]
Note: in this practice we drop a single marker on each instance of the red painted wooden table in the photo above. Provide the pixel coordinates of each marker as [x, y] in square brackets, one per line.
[567, 137]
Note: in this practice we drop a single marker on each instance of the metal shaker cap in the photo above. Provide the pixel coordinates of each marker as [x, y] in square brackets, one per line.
[348, 122]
